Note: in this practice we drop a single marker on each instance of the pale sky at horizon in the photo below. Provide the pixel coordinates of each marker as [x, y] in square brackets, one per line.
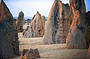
[30, 7]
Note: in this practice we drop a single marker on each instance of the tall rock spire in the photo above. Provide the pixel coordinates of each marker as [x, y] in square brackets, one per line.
[20, 22]
[76, 36]
[55, 30]
[36, 28]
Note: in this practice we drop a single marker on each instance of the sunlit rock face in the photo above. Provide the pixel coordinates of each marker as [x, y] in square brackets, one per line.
[9, 45]
[58, 23]
[20, 22]
[77, 36]
[36, 28]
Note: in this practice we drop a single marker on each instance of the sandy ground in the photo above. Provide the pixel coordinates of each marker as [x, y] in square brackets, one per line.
[54, 51]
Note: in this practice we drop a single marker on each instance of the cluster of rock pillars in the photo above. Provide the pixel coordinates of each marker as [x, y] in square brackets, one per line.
[66, 23]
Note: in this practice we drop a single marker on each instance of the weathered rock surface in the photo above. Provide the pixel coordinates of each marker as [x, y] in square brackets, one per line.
[77, 36]
[58, 23]
[20, 22]
[9, 45]
[68, 24]
[36, 28]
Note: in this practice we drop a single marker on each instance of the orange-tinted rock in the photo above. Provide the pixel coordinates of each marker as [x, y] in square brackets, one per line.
[9, 45]
[1, 9]
[78, 5]
[20, 22]
[58, 18]
[77, 36]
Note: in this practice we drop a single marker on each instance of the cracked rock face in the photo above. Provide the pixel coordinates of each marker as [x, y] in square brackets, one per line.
[9, 45]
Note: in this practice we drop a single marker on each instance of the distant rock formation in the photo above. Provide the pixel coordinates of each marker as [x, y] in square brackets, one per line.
[58, 23]
[36, 28]
[9, 45]
[20, 22]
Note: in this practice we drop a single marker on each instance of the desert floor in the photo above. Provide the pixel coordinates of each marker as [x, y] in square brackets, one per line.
[53, 51]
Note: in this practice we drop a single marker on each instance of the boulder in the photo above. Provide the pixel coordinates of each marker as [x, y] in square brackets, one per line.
[36, 53]
[31, 54]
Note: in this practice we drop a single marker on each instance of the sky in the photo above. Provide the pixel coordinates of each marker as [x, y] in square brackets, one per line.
[30, 7]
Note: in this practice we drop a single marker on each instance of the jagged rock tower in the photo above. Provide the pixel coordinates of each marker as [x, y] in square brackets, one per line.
[9, 45]
[58, 18]
[36, 28]
[77, 36]
[20, 22]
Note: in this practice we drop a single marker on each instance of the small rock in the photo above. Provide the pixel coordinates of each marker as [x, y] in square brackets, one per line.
[36, 53]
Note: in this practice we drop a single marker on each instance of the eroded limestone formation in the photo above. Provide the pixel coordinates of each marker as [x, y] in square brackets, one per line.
[20, 22]
[68, 24]
[36, 28]
[76, 37]
[9, 45]
[58, 23]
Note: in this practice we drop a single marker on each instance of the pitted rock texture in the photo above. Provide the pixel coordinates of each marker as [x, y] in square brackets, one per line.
[20, 22]
[9, 45]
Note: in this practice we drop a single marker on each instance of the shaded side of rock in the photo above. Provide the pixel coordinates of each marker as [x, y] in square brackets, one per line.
[9, 44]
[87, 31]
